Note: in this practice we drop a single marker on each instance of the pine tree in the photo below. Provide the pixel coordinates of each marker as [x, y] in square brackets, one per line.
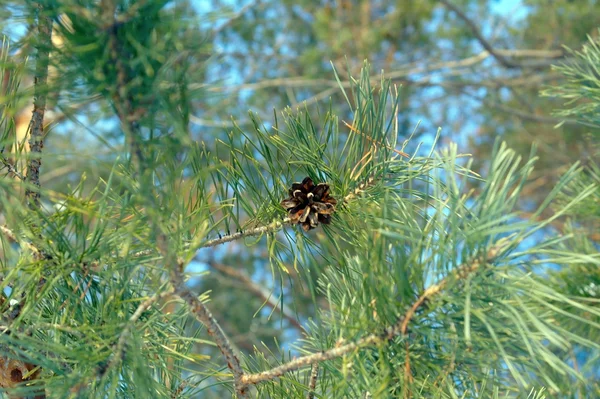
[379, 274]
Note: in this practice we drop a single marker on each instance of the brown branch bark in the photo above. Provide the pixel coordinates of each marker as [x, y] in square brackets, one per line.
[14, 371]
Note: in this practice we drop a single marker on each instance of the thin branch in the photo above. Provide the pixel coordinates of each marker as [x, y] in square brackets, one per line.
[203, 315]
[36, 136]
[121, 97]
[397, 329]
[220, 124]
[120, 346]
[235, 17]
[544, 57]
[486, 45]
[269, 228]
[11, 168]
[523, 114]
[312, 384]
[259, 291]
[355, 130]
[213, 328]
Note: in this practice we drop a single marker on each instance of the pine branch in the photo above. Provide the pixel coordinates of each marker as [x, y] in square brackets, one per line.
[397, 329]
[203, 314]
[122, 100]
[36, 136]
[11, 168]
[269, 228]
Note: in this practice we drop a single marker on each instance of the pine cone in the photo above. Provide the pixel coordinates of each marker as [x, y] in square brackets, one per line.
[309, 204]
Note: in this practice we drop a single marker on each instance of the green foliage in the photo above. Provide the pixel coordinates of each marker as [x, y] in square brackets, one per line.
[582, 88]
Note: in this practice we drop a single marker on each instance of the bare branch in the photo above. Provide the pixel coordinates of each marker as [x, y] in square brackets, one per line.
[204, 315]
[541, 57]
[486, 45]
[399, 328]
[259, 291]
[525, 115]
[235, 17]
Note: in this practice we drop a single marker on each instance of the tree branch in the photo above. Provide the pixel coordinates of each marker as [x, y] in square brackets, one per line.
[543, 57]
[259, 291]
[269, 228]
[399, 328]
[120, 346]
[312, 384]
[36, 135]
[486, 45]
[203, 315]
[11, 168]
[121, 98]
[8, 233]
[235, 17]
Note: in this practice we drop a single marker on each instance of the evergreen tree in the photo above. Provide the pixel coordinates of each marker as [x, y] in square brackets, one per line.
[358, 270]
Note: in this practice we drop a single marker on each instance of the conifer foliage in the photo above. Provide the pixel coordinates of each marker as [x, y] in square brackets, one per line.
[402, 281]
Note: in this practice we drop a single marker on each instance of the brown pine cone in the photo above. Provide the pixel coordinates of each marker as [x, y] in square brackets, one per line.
[309, 204]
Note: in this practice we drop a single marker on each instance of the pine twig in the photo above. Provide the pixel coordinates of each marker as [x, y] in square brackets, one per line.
[355, 130]
[269, 228]
[312, 384]
[203, 314]
[11, 168]
[397, 329]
